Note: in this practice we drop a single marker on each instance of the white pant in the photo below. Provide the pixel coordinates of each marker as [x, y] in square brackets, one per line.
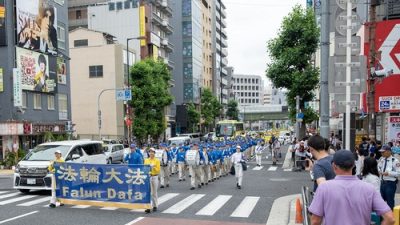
[164, 175]
[173, 167]
[153, 190]
[195, 172]
[181, 170]
[239, 173]
[53, 199]
[258, 159]
[205, 172]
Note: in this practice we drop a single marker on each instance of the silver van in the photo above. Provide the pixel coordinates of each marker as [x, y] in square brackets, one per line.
[31, 173]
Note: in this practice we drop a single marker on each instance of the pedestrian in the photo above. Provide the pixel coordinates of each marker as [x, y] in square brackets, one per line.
[193, 160]
[164, 162]
[154, 172]
[204, 166]
[389, 170]
[180, 160]
[259, 151]
[237, 160]
[322, 169]
[346, 200]
[364, 147]
[370, 173]
[58, 159]
[134, 158]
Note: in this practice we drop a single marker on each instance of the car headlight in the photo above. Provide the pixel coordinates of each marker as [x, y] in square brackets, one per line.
[17, 168]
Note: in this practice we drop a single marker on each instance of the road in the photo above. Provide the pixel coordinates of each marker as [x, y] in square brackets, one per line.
[220, 202]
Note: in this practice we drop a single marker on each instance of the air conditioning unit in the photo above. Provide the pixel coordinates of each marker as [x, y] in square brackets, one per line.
[165, 22]
[164, 42]
[164, 3]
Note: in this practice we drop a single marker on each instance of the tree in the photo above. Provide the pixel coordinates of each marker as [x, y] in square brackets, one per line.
[291, 53]
[210, 108]
[193, 116]
[150, 82]
[233, 110]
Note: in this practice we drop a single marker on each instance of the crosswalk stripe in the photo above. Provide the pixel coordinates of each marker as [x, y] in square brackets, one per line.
[109, 208]
[185, 203]
[214, 205]
[258, 168]
[287, 170]
[16, 199]
[3, 192]
[80, 206]
[272, 168]
[246, 207]
[36, 201]
[166, 197]
[9, 195]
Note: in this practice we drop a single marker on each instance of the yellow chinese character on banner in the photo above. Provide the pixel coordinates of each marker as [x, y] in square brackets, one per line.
[93, 176]
[113, 175]
[84, 174]
[68, 173]
[135, 177]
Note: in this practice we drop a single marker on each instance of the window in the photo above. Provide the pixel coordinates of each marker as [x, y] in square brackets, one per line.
[50, 102]
[37, 101]
[127, 4]
[80, 43]
[257, 88]
[61, 35]
[63, 106]
[254, 101]
[119, 5]
[24, 100]
[111, 6]
[95, 71]
[257, 101]
[78, 14]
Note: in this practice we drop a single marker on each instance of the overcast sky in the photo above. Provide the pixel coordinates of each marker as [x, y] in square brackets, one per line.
[250, 24]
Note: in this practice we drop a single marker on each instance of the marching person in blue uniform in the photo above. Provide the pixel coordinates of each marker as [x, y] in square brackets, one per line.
[389, 170]
[180, 160]
[174, 152]
[164, 171]
[134, 157]
[194, 167]
[205, 167]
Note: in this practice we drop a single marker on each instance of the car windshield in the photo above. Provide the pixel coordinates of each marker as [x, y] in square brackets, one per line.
[224, 130]
[46, 152]
[176, 142]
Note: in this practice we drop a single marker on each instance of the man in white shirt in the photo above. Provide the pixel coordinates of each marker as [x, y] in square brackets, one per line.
[389, 170]
[237, 159]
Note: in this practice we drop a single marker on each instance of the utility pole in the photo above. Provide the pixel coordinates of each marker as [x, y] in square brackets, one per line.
[324, 90]
[371, 80]
[348, 74]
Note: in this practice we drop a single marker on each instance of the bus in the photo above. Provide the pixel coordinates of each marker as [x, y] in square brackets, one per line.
[229, 128]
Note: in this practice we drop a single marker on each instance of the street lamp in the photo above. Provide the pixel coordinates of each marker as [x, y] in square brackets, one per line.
[127, 53]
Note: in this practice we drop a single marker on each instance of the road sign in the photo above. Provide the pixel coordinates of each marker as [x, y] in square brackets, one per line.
[300, 115]
[123, 95]
[128, 95]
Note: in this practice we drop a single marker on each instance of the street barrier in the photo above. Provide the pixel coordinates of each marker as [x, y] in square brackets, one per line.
[123, 186]
[306, 198]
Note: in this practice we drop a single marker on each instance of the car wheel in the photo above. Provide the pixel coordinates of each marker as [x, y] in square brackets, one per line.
[109, 161]
[25, 191]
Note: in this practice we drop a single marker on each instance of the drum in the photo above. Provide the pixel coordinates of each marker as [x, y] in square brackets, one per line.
[162, 156]
[192, 157]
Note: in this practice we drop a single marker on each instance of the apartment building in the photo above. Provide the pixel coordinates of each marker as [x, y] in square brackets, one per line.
[248, 89]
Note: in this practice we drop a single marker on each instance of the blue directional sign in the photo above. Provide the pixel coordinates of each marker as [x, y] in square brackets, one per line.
[123, 95]
[384, 105]
[300, 115]
[128, 95]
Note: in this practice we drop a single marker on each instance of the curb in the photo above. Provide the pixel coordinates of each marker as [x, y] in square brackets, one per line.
[6, 172]
[280, 211]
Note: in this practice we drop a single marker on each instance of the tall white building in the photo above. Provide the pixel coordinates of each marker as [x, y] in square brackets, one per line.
[248, 89]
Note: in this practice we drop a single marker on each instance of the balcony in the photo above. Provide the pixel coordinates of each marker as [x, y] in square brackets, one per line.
[224, 62]
[224, 44]
[165, 22]
[223, 23]
[78, 23]
[223, 13]
[167, 10]
[224, 34]
[169, 47]
[164, 41]
[167, 29]
[224, 83]
[224, 52]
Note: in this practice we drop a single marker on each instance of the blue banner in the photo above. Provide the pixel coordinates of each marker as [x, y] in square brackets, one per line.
[104, 183]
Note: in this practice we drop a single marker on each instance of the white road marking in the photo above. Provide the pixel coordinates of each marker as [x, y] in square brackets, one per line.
[3, 192]
[258, 168]
[17, 217]
[185, 203]
[34, 202]
[161, 200]
[214, 205]
[16, 199]
[80, 206]
[246, 207]
[9, 195]
[273, 168]
[109, 208]
[287, 170]
[135, 221]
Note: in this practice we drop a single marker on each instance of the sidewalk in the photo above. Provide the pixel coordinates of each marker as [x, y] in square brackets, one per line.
[6, 172]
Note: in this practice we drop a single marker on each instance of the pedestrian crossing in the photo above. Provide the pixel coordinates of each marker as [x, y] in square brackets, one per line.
[205, 205]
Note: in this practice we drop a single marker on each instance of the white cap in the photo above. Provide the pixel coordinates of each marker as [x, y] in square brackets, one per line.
[58, 151]
[238, 146]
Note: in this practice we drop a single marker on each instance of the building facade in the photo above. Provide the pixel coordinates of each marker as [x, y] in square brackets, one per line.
[34, 73]
[207, 79]
[78, 12]
[248, 89]
[97, 65]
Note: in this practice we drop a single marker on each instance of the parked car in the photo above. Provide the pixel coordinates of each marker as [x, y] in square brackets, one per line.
[185, 140]
[31, 173]
[194, 137]
[114, 153]
[210, 135]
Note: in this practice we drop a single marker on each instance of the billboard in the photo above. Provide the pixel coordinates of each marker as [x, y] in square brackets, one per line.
[393, 129]
[34, 69]
[37, 25]
[3, 34]
[61, 71]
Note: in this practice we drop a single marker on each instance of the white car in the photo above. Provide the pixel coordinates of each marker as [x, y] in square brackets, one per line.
[114, 153]
[31, 173]
[185, 140]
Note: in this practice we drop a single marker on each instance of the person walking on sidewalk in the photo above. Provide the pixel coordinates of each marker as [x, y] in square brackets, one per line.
[322, 169]
[346, 200]
[154, 171]
[389, 170]
[237, 159]
[58, 159]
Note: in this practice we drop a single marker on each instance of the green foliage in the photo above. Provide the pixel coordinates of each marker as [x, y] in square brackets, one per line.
[10, 159]
[233, 110]
[193, 116]
[48, 136]
[210, 107]
[61, 137]
[291, 53]
[150, 82]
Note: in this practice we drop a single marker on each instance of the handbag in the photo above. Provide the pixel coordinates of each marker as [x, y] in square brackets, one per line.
[244, 165]
[232, 170]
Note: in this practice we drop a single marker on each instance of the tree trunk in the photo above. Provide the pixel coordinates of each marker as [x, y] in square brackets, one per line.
[302, 130]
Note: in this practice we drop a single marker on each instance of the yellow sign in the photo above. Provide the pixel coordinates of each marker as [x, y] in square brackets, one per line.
[1, 80]
[142, 23]
[2, 12]
[155, 52]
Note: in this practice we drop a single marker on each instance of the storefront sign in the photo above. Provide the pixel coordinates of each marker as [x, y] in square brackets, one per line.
[42, 128]
[394, 129]
[17, 87]
[11, 129]
[389, 103]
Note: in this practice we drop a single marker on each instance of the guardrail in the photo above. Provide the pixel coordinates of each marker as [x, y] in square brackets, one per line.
[306, 198]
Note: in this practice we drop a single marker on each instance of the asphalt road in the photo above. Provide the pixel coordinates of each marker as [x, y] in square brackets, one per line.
[251, 204]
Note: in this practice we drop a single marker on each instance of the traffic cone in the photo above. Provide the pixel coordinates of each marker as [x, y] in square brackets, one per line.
[299, 214]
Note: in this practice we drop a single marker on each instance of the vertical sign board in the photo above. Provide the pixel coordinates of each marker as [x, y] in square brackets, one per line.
[1, 80]
[142, 23]
[3, 34]
[17, 87]
[394, 129]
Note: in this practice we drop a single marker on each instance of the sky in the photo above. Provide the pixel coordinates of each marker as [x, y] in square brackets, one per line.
[250, 24]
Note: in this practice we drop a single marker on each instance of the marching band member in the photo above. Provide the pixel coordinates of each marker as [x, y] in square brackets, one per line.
[237, 160]
[194, 167]
[164, 172]
[174, 152]
[205, 167]
[154, 171]
[180, 160]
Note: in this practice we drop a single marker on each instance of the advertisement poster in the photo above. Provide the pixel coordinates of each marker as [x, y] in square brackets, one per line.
[61, 71]
[1, 80]
[388, 103]
[394, 129]
[37, 25]
[17, 88]
[3, 34]
[34, 69]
